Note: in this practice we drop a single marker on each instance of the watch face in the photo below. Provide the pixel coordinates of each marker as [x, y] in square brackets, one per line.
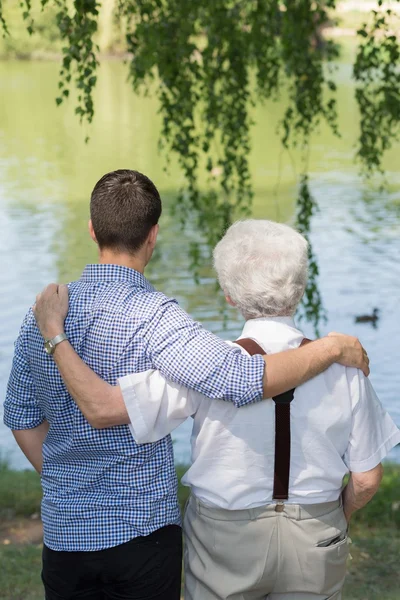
[48, 347]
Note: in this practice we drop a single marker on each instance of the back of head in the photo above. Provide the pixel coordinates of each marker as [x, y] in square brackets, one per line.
[262, 266]
[124, 206]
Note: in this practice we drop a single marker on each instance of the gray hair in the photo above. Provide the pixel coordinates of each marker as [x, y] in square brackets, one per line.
[262, 267]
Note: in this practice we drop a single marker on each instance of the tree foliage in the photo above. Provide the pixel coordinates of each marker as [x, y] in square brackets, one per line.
[212, 61]
[376, 71]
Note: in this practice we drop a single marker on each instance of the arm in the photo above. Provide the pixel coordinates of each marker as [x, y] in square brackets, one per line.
[360, 490]
[103, 406]
[287, 370]
[22, 414]
[186, 353]
[373, 434]
[31, 443]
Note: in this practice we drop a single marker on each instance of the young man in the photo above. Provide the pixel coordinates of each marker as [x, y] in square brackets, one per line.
[110, 511]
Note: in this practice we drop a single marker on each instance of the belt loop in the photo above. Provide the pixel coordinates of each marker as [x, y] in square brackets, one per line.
[298, 516]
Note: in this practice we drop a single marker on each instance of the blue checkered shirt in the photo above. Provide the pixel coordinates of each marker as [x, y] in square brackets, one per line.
[100, 488]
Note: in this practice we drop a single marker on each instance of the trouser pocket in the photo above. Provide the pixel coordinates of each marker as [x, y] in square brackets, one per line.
[327, 553]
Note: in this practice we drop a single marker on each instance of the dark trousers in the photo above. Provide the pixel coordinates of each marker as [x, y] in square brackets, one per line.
[146, 568]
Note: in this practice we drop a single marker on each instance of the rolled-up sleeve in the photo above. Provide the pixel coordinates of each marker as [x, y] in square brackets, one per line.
[156, 406]
[186, 353]
[373, 432]
[21, 409]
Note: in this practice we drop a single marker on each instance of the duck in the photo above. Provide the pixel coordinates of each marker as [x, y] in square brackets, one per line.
[368, 318]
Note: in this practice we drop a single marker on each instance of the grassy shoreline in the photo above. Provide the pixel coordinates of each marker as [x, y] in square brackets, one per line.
[375, 532]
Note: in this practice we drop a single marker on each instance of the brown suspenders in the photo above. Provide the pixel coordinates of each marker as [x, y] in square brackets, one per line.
[282, 428]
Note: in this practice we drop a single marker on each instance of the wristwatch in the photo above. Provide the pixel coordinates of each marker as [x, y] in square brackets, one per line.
[50, 345]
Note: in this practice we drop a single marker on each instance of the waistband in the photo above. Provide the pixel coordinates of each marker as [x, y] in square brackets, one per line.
[297, 512]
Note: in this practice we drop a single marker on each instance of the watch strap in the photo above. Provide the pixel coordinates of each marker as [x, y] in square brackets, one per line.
[58, 338]
[50, 344]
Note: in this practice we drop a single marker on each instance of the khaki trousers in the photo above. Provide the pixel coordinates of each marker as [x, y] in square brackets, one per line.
[261, 553]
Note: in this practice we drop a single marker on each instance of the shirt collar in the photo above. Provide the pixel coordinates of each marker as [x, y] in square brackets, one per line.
[110, 272]
[274, 334]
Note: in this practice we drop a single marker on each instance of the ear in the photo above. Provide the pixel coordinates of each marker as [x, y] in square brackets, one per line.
[229, 300]
[152, 238]
[91, 231]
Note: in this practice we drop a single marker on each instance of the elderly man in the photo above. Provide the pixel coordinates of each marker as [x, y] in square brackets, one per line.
[249, 533]
[244, 540]
[110, 511]
[246, 536]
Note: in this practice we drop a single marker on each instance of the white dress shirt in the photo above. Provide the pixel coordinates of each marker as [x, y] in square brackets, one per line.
[337, 425]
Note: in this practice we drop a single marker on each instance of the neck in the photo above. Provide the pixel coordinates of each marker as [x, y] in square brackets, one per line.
[109, 257]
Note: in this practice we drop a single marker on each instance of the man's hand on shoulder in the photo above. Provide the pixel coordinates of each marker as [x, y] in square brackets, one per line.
[349, 352]
[50, 310]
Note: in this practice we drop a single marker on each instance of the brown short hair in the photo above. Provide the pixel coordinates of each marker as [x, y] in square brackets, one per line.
[124, 206]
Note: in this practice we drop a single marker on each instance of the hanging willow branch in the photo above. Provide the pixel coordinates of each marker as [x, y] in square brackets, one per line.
[312, 307]
[3, 23]
[205, 57]
[376, 71]
[80, 52]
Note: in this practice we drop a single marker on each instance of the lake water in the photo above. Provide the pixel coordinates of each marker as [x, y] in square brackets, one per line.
[47, 173]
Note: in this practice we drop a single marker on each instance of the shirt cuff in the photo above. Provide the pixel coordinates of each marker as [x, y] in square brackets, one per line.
[376, 458]
[19, 423]
[137, 425]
